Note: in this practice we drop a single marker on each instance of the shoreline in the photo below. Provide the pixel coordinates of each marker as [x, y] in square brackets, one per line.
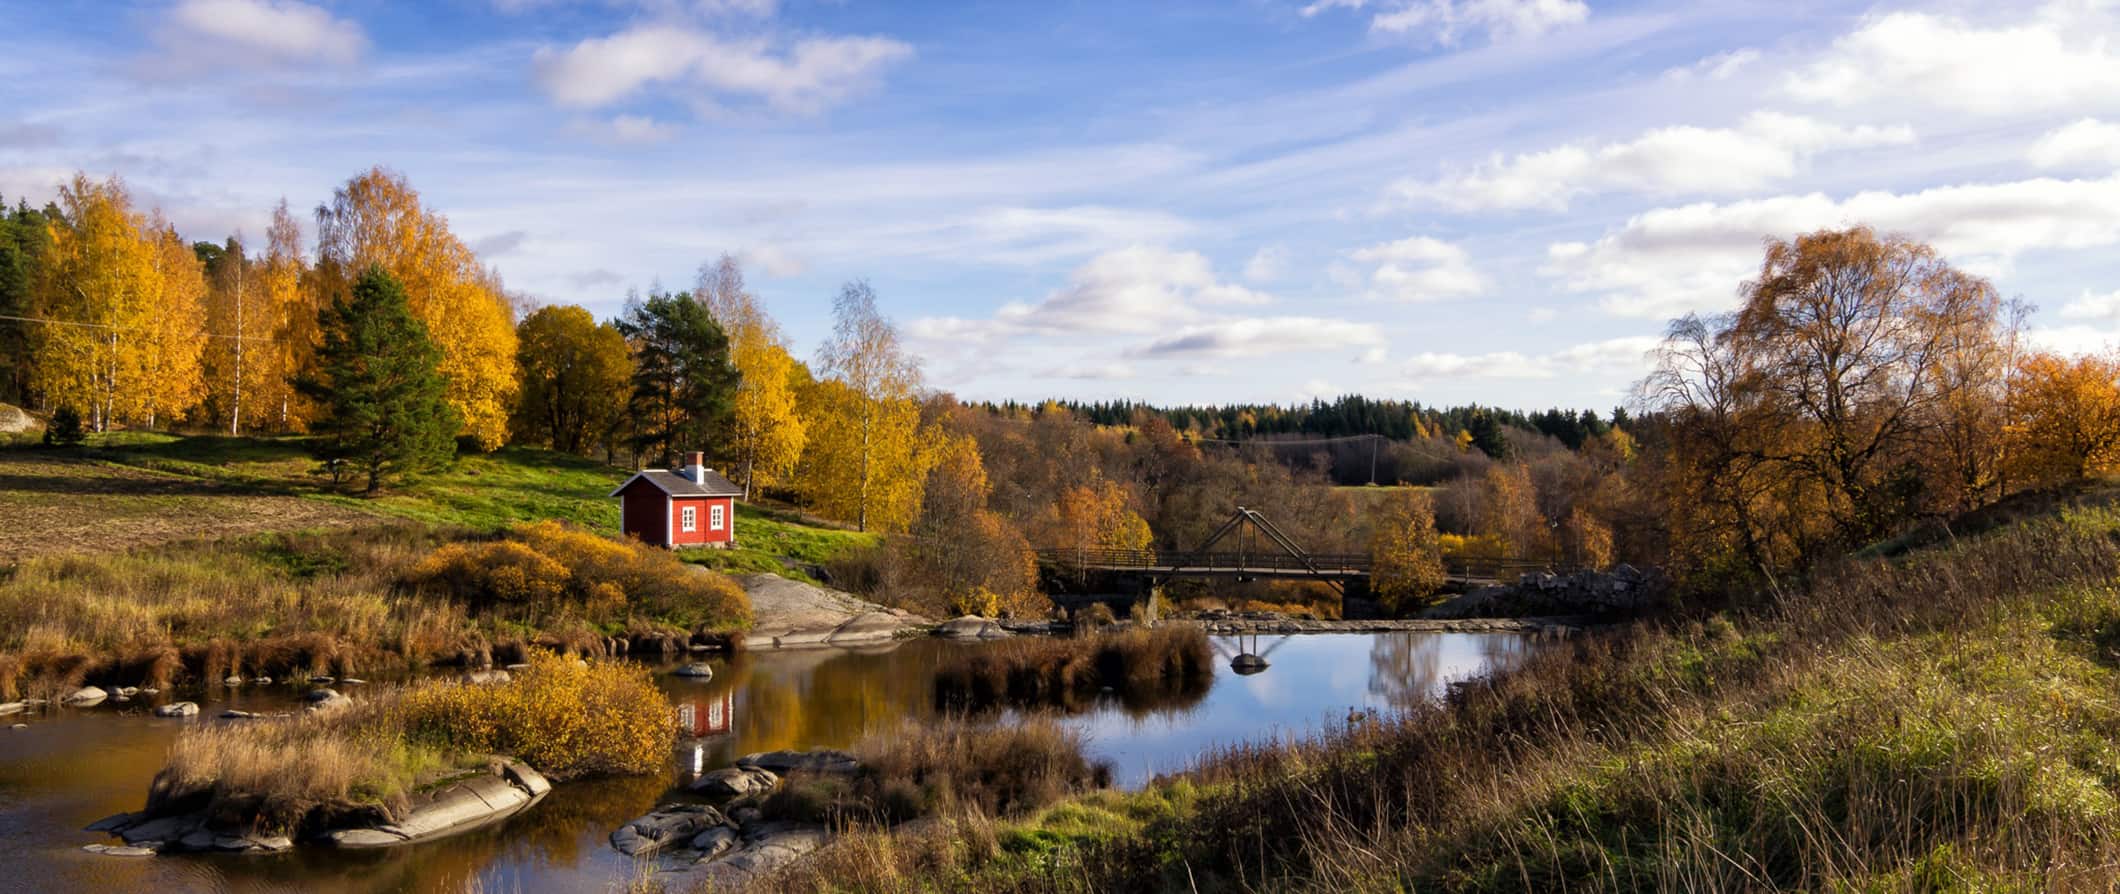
[1559, 624]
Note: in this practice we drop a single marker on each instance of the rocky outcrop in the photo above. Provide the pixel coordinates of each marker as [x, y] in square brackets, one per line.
[695, 847]
[183, 832]
[1622, 592]
[819, 760]
[459, 806]
[971, 627]
[787, 613]
[672, 826]
[735, 782]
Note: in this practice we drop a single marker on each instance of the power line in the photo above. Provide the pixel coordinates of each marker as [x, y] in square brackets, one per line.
[121, 328]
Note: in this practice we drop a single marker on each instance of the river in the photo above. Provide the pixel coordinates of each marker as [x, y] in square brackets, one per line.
[69, 768]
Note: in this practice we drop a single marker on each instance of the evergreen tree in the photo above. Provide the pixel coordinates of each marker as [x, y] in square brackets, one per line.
[378, 381]
[683, 381]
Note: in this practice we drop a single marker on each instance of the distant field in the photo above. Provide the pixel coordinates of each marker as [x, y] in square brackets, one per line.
[51, 504]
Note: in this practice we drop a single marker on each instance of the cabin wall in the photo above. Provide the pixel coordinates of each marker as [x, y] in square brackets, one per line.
[644, 511]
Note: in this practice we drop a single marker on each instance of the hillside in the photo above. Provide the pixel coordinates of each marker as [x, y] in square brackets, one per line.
[1944, 720]
[129, 490]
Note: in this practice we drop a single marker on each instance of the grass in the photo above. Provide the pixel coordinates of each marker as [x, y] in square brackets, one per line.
[1142, 667]
[358, 764]
[1945, 720]
[782, 542]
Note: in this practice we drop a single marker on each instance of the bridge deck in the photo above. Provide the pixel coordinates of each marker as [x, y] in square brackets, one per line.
[1319, 566]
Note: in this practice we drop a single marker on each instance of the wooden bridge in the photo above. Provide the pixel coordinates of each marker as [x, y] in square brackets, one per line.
[1278, 558]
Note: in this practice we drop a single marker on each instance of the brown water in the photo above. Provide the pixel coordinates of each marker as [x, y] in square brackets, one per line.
[70, 768]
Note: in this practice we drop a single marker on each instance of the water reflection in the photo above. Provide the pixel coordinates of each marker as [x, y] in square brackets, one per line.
[75, 767]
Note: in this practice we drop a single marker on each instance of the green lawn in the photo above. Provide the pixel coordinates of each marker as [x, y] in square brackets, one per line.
[484, 492]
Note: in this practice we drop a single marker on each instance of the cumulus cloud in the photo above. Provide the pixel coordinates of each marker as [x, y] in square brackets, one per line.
[1266, 264]
[1668, 261]
[256, 33]
[1627, 357]
[2057, 60]
[2088, 143]
[1419, 268]
[1447, 21]
[2097, 308]
[806, 76]
[1766, 148]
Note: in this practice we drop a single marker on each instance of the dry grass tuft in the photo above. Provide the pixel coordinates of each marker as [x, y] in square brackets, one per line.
[949, 768]
[1143, 667]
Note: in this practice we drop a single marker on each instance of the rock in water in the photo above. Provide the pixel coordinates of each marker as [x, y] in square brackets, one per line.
[178, 709]
[666, 827]
[821, 760]
[326, 700]
[85, 697]
[970, 627]
[697, 670]
[735, 782]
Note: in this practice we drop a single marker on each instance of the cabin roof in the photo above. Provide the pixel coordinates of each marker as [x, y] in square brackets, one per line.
[677, 485]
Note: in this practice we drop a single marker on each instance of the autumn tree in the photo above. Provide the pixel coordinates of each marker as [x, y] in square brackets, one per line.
[864, 462]
[1509, 510]
[379, 381]
[574, 371]
[1096, 513]
[244, 381]
[376, 219]
[282, 280]
[682, 379]
[1405, 554]
[960, 555]
[171, 344]
[2064, 417]
[100, 284]
[766, 434]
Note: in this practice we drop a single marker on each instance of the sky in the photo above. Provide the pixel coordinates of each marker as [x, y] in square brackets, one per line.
[1451, 201]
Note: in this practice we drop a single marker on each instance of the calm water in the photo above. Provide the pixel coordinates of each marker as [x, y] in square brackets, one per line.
[71, 768]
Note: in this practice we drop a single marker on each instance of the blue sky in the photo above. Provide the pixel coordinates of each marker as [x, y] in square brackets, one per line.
[1498, 201]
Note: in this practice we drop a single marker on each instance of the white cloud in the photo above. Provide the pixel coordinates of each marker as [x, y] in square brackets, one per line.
[1766, 148]
[1622, 357]
[2059, 59]
[1140, 289]
[2075, 339]
[2101, 308]
[806, 76]
[1445, 21]
[1719, 67]
[1671, 260]
[628, 130]
[2088, 143]
[1090, 371]
[1420, 268]
[201, 33]
[1266, 264]
[1251, 336]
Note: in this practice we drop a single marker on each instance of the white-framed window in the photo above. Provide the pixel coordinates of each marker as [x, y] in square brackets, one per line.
[716, 517]
[690, 521]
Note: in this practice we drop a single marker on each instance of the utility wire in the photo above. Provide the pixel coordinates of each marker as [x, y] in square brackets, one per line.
[120, 328]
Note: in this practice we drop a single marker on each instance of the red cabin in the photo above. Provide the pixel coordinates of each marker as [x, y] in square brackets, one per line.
[693, 506]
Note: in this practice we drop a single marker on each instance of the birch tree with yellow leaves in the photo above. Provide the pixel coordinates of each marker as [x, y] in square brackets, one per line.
[767, 434]
[167, 363]
[864, 461]
[376, 218]
[98, 286]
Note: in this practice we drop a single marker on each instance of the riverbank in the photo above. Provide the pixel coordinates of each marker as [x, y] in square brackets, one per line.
[1949, 716]
[1274, 624]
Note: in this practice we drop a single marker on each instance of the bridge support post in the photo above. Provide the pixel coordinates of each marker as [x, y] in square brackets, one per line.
[1152, 605]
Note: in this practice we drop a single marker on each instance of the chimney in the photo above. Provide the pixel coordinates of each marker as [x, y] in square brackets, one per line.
[696, 467]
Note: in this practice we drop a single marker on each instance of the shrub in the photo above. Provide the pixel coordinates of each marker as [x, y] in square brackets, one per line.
[485, 575]
[564, 716]
[550, 570]
[65, 428]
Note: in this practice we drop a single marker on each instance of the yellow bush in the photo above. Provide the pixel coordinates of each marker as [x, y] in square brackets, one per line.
[500, 572]
[549, 567]
[565, 717]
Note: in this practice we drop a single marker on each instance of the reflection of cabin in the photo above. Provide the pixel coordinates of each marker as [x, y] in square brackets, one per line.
[705, 715]
[693, 506]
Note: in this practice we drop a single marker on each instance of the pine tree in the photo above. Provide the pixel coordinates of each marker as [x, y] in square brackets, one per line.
[682, 379]
[378, 381]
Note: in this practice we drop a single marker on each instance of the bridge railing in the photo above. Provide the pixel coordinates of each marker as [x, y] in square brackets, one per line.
[1336, 564]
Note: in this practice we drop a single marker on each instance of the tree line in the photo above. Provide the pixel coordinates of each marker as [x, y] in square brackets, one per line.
[1863, 387]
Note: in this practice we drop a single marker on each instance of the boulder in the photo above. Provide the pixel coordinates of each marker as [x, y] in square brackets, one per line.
[86, 696]
[459, 806]
[821, 760]
[487, 677]
[232, 681]
[735, 782]
[713, 842]
[970, 627]
[118, 850]
[184, 832]
[178, 709]
[669, 826]
[768, 848]
[7, 708]
[697, 670]
[326, 700]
